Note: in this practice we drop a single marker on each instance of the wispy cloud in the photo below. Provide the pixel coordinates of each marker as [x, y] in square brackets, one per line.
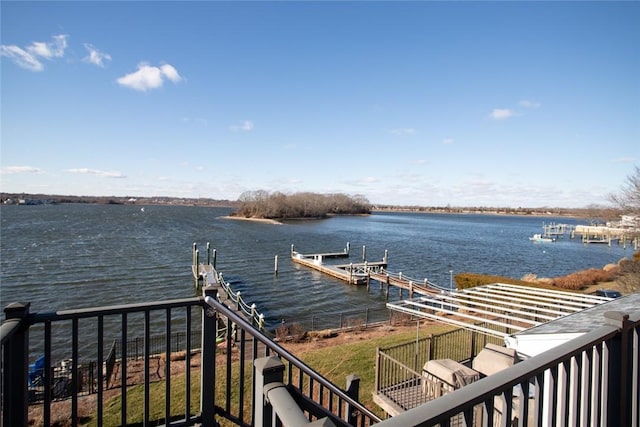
[402, 131]
[501, 114]
[624, 160]
[95, 56]
[448, 141]
[104, 174]
[529, 104]
[28, 58]
[245, 126]
[149, 77]
[8, 170]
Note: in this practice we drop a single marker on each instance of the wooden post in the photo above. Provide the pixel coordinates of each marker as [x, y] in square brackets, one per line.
[208, 253]
[275, 267]
[215, 258]
[368, 281]
[386, 257]
[364, 253]
[387, 291]
[348, 247]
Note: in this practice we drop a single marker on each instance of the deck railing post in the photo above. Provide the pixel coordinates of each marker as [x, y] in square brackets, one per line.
[353, 390]
[208, 363]
[267, 370]
[15, 393]
[619, 369]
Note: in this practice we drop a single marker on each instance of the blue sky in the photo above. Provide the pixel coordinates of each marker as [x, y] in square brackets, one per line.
[518, 104]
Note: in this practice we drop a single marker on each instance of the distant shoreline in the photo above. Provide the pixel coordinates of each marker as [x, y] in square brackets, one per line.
[40, 199]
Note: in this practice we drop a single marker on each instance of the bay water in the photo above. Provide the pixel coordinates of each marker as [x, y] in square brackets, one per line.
[73, 256]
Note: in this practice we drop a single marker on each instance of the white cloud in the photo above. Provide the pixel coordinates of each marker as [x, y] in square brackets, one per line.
[403, 131]
[171, 73]
[369, 180]
[104, 174]
[95, 56]
[28, 58]
[19, 169]
[529, 104]
[149, 77]
[54, 49]
[448, 141]
[245, 126]
[21, 58]
[624, 160]
[501, 113]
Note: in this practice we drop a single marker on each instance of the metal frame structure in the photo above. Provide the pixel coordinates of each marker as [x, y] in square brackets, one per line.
[502, 309]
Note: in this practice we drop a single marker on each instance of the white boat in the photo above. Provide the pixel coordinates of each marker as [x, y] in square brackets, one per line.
[541, 238]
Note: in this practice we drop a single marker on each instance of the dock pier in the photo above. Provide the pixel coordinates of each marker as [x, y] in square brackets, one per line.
[364, 272]
[206, 275]
[352, 273]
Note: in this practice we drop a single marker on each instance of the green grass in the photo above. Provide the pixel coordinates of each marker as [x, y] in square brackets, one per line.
[333, 362]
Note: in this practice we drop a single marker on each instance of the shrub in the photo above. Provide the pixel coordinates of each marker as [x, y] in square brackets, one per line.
[470, 280]
[582, 279]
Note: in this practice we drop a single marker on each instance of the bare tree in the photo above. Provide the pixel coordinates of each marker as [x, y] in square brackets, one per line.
[628, 199]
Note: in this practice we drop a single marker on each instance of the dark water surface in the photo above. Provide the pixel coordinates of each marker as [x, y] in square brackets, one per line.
[72, 256]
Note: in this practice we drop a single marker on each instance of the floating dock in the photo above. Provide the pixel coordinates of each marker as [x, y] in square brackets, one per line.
[352, 273]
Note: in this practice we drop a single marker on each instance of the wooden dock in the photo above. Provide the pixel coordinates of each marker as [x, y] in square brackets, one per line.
[404, 283]
[363, 273]
[205, 275]
[352, 273]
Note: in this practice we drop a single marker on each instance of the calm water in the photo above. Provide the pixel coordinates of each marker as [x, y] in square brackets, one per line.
[72, 256]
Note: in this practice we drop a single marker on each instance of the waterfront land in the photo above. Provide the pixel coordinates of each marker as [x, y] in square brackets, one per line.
[601, 213]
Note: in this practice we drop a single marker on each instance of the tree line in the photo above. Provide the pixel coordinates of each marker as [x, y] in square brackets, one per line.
[277, 205]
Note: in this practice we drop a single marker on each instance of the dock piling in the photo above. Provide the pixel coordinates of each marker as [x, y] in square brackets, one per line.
[364, 253]
[275, 267]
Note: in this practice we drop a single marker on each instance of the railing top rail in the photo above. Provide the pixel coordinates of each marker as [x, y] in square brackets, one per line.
[241, 322]
[8, 328]
[114, 309]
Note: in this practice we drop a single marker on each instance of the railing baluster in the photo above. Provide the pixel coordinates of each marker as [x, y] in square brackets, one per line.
[187, 365]
[99, 365]
[123, 372]
[167, 367]
[74, 372]
[47, 373]
[147, 354]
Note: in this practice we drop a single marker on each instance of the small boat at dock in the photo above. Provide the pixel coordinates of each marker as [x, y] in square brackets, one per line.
[542, 239]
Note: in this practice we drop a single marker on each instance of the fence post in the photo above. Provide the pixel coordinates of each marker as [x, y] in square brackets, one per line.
[431, 346]
[208, 363]
[253, 314]
[238, 301]
[15, 366]
[353, 391]
[267, 370]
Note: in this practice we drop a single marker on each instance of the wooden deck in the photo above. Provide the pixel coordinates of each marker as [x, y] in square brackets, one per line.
[352, 273]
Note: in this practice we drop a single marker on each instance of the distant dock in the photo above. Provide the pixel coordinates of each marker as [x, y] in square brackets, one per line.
[352, 273]
[363, 273]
